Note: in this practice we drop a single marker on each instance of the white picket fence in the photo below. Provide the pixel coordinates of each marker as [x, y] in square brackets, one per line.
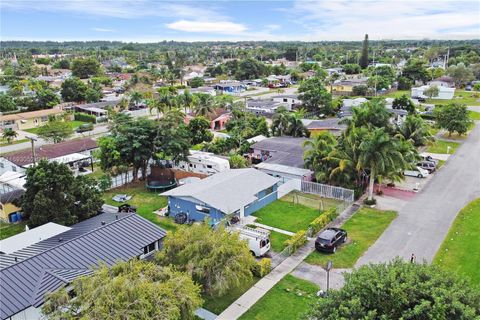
[328, 191]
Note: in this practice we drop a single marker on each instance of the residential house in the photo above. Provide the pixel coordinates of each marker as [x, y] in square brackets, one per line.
[208, 90]
[240, 192]
[9, 206]
[263, 106]
[97, 109]
[281, 157]
[348, 104]
[345, 87]
[292, 101]
[55, 259]
[204, 163]
[332, 125]
[77, 154]
[28, 120]
[218, 119]
[230, 87]
[444, 81]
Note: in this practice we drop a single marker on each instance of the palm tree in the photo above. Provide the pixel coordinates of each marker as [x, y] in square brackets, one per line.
[9, 134]
[123, 104]
[296, 128]
[154, 104]
[280, 122]
[316, 152]
[205, 104]
[175, 115]
[136, 97]
[414, 128]
[380, 155]
[188, 100]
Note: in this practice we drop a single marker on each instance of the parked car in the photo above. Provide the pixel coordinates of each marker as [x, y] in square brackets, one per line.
[429, 159]
[427, 165]
[85, 127]
[418, 172]
[330, 239]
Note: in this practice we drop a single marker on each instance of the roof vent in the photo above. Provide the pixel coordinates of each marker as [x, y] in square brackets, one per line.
[16, 259]
[103, 223]
[116, 217]
[60, 239]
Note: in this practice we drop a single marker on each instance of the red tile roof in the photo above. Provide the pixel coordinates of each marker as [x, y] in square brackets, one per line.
[51, 151]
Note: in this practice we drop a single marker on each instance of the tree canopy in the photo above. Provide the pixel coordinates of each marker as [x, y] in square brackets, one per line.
[216, 259]
[55, 130]
[314, 96]
[53, 194]
[453, 118]
[128, 290]
[84, 68]
[399, 290]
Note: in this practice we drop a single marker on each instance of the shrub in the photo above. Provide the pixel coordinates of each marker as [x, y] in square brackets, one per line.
[296, 241]
[80, 116]
[370, 202]
[321, 221]
[262, 267]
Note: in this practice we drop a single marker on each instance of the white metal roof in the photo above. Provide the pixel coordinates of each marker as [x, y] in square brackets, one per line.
[32, 236]
[227, 191]
[283, 169]
[14, 179]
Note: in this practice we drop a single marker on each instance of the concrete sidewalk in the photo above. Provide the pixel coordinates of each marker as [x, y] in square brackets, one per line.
[288, 233]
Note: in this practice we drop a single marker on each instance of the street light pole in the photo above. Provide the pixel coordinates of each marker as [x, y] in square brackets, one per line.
[32, 140]
[328, 268]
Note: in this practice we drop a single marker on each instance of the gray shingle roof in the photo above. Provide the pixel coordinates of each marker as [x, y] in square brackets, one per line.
[25, 283]
[287, 151]
[227, 191]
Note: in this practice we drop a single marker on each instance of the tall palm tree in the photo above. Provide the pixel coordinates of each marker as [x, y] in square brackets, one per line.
[380, 155]
[188, 100]
[9, 134]
[316, 153]
[205, 104]
[154, 104]
[415, 129]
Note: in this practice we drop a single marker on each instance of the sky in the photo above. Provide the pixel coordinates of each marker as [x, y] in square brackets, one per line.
[223, 20]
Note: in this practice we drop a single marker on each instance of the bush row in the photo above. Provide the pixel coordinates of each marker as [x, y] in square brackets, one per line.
[321, 221]
[79, 116]
[296, 241]
[262, 267]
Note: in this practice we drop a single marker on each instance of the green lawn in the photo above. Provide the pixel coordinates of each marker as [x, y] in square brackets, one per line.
[474, 115]
[313, 201]
[469, 98]
[10, 229]
[396, 94]
[4, 142]
[277, 241]
[363, 228]
[440, 146]
[73, 123]
[460, 251]
[218, 304]
[288, 299]
[286, 215]
[440, 164]
[145, 201]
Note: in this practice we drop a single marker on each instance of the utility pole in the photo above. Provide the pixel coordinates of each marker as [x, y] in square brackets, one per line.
[32, 140]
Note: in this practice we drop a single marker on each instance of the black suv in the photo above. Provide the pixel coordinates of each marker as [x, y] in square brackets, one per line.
[330, 239]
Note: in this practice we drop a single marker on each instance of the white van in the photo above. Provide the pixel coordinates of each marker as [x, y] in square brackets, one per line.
[417, 172]
[258, 240]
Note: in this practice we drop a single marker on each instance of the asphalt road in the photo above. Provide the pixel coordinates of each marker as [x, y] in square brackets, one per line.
[423, 223]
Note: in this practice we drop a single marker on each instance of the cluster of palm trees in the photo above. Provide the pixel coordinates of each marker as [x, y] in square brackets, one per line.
[9, 135]
[199, 104]
[285, 123]
[371, 148]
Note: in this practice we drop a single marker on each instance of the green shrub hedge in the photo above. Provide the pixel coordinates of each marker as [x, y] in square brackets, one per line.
[296, 241]
[321, 221]
[80, 116]
[262, 267]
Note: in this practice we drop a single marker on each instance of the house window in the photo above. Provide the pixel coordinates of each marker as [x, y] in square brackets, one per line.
[2, 165]
[285, 100]
[14, 169]
[149, 248]
[209, 166]
[268, 190]
[44, 119]
[202, 209]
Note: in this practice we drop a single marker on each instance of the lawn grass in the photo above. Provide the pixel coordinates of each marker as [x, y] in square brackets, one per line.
[288, 299]
[286, 216]
[146, 202]
[10, 229]
[460, 252]
[313, 201]
[474, 115]
[4, 143]
[440, 164]
[468, 98]
[363, 228]
[277, 240]
[396, 94]
[73, 123]
[440, 146]
[218, 304]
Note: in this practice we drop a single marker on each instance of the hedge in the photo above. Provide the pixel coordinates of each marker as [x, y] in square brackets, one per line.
[262, 267]
[80, 116]
[321, 221]
[296, 241]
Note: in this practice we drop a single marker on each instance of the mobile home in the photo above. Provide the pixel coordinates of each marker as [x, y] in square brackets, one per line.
[204, 162]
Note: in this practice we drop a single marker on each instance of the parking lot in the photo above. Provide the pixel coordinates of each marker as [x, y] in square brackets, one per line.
[413, 183]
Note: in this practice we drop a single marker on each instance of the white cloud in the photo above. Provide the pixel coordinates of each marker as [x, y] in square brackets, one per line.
[350, 20]
[103, 30]
[222, 27]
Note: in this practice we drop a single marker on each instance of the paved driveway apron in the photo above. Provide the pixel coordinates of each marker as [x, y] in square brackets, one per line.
[423, 223]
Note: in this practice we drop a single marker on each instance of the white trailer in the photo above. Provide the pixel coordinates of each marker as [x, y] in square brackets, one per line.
[204, 163]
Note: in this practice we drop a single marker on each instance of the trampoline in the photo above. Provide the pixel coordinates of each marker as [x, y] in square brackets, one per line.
[161, 179]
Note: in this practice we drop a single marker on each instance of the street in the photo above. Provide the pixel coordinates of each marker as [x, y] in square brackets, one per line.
[423, 222]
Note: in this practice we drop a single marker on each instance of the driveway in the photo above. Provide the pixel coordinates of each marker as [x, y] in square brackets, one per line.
[423, 222]
[318, 275]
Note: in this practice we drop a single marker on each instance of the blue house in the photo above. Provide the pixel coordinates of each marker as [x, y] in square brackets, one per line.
[230, 87]
[238, 191]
